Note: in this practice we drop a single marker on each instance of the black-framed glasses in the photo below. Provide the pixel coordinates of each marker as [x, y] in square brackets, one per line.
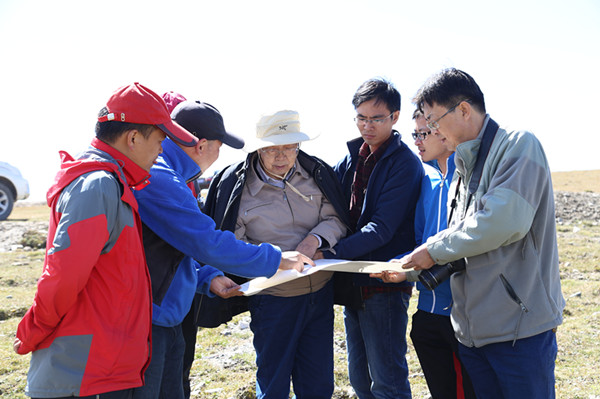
[273, 151]
[435, 124]
[420, 135]
[378, 121]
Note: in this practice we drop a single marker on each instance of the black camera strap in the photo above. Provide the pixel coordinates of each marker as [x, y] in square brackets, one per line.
[484, 148]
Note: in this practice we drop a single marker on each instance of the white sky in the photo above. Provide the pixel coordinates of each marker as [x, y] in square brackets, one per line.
[537, 63]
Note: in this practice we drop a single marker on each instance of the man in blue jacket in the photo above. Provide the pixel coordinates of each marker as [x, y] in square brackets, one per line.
[177, 235]
[381, 179]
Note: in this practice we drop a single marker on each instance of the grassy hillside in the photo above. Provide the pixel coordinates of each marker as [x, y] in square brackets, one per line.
[576, 366]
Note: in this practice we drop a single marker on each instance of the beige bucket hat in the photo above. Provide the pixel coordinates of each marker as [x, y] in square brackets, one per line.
[280, 128]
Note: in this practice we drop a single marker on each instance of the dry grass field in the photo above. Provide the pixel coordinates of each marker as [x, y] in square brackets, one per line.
[212, 377]
[579, 181]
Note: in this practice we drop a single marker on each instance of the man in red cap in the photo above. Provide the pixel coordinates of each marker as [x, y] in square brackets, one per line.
[89, 326]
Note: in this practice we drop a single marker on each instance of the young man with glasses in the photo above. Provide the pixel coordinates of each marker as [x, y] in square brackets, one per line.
[507, 302]
[381, 179]
[286, 197]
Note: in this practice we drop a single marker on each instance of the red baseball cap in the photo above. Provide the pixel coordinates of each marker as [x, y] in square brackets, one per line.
[138, 104]
[172, 99]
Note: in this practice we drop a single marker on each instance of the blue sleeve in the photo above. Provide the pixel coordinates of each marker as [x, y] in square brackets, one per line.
[168, 207]
[206, 274]
[426, 211]
[420, 214]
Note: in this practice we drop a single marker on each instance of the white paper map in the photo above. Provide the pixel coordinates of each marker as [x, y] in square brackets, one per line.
[333, 265]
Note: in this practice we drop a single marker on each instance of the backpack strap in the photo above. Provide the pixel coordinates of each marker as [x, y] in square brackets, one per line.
[486, 142]
[484, 149]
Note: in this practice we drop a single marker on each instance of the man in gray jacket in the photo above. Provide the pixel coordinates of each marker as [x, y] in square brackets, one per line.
[507, 299]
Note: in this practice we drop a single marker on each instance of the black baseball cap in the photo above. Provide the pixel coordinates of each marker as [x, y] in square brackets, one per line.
[205, 122]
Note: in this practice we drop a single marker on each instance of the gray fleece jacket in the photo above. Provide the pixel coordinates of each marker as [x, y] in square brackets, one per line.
[511, 287]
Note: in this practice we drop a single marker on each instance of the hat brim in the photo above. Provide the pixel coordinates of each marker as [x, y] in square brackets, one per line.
[178, 133]
[233, 141]
[279, 139]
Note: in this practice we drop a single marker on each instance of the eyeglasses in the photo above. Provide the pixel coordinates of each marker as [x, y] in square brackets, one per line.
[435, 125]
[363, 121]
[273, 151]
[420, 135]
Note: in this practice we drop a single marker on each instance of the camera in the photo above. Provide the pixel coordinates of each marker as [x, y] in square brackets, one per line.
[434, 276]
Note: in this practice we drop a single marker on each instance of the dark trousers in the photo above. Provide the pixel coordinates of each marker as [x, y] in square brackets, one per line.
[124, 394]
[190, 331]
[163, 375]
[376, 342]
[293, 338]
[437, 348]
[507, 370]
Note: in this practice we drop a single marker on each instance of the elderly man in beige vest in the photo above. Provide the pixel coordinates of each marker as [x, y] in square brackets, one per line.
[283, 196]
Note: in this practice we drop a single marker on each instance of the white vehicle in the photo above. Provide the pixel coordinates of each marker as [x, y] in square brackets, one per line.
[13, 187]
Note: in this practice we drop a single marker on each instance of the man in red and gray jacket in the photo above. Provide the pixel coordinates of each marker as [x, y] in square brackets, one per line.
[90, 322]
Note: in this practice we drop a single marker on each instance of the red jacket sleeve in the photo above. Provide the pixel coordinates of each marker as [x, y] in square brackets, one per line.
[66, 271]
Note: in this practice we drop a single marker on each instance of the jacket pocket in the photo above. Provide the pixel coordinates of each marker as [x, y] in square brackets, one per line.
[513, 295]
[530, 237]
[254, 207]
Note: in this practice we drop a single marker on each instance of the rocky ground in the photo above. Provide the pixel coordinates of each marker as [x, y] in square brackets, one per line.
[11, 233]
[570, 207]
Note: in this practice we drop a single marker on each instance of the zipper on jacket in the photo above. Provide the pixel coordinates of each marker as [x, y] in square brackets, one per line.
[228, 209]
[439, 212]
[439, 223]
[511, 292]
[433, 301]
[287, 201]
[236, 192]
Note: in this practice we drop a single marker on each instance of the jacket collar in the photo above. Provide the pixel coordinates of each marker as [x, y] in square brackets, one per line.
[179, 161]
[136, 176]
[355, 144]
[466, 153]
[255, 184]
[450, 165]
[100, 156]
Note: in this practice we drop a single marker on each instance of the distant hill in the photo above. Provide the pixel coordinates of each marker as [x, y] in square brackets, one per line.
[579, 181]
